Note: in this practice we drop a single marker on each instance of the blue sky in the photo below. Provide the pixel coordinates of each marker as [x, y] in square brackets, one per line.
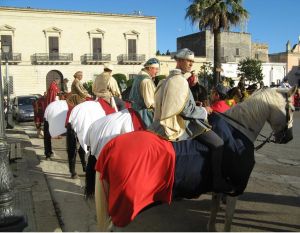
[271, 21]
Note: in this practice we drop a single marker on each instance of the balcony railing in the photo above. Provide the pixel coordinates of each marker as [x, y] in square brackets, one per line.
[12, 58]
[131, 58]
[52, 58]
[95, 58]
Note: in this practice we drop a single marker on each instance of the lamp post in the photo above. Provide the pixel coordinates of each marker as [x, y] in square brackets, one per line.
[10, 218]
[10, 123]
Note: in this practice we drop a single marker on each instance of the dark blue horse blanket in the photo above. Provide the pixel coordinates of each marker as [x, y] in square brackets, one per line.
[193, 173]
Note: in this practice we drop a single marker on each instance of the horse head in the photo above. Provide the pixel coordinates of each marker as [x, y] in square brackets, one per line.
[282, 121]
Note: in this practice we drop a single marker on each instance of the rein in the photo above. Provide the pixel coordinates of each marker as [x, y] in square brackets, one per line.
[266, 139]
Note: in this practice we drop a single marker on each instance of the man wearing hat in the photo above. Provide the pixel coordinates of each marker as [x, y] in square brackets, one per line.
[78, 92]
[177, 117]
[143, 89]
[105, 86]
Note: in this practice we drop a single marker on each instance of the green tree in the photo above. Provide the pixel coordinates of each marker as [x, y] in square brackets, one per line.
[88, 86]
[205, 75]
[121, 80]
[217, 16]
[158, 53]
[250, 70]
[168, 52]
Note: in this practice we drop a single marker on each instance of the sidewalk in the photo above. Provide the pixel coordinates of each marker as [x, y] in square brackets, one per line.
[44, 190]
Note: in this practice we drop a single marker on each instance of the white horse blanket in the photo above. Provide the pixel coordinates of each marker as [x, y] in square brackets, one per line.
[55, 114]
[82, 116]
[106, 128]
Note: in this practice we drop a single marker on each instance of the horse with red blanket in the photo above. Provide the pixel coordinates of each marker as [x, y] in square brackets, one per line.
[139, 168]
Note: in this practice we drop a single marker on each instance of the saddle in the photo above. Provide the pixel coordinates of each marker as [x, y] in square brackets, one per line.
[193, 173]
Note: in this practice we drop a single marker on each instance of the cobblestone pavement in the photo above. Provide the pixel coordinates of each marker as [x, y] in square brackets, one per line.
[270, 203]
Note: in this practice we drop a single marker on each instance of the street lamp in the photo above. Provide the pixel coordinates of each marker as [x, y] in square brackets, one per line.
[10, 218]
[10, 124]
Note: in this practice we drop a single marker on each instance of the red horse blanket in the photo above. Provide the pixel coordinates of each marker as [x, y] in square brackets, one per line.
[138, 176]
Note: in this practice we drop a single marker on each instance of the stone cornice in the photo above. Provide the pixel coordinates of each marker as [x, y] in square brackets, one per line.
[70, 12]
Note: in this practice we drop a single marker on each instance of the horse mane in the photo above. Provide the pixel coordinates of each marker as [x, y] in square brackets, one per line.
[255, 110]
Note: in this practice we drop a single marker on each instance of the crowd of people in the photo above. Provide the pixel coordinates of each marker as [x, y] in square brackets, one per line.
[176, 108]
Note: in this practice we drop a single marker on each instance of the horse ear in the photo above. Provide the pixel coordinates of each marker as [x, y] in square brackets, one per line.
[292, 91]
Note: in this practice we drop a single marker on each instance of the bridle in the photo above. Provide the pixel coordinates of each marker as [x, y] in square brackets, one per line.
[281, 135]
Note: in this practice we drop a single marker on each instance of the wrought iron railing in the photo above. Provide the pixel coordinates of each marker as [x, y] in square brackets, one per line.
[49, 57]
[95, 57]
[131, 58]
[11, 57]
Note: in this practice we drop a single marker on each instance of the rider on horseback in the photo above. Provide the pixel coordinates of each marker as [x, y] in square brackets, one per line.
[142, 91]
[177, 117]
[78, 92]
[106, 88]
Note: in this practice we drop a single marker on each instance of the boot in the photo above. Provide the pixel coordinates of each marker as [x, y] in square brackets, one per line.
[220, 185]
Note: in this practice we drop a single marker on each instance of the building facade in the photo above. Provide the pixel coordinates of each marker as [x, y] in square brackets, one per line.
[44, 44]
[272, 72]
[235, 46]
[291, 57]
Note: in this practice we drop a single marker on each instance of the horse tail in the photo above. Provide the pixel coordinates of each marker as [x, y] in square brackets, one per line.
[103, 218]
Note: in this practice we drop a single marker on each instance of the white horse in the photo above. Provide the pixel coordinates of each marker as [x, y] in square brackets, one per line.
[267, 105]
[102, 131]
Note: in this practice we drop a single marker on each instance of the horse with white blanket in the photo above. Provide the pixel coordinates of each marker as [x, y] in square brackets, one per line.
[62, 118]
[139, 168]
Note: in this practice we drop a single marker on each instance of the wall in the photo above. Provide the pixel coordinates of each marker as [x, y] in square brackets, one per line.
[75, 30]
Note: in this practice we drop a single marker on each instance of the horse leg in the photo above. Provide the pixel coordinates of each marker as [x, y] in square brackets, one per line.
[103, 219]
[230, 207]
[47, 140]
[216, 197]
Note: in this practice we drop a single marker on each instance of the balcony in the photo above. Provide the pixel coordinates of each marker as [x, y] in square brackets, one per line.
[13, 58]
[52, 58]
[131, 58]
[95, 58]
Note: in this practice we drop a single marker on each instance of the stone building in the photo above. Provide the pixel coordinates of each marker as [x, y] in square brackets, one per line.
[44, 44]
[291, 57]
[235, 46]
[260, 51]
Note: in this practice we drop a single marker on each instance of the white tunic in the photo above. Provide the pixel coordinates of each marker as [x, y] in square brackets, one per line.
[106, 128]
[82, 116]
[55, 114]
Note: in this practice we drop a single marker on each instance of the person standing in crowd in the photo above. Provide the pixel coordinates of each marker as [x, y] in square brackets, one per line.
[177, 117]
[285, 83]
[39, 107]
[53, 91]
[142, 92]
[218, 99]
[193, 79]
[65, 85]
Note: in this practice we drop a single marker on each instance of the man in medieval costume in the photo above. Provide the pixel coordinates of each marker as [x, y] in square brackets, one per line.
[53, 91]
[177, 117]
[143, 89]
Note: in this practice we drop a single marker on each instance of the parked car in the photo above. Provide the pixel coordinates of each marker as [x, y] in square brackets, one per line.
[22, 107]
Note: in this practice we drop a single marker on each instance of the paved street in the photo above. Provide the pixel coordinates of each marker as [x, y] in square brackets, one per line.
[271, 201]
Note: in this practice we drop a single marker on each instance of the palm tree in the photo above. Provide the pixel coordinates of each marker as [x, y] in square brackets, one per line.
[218, 16]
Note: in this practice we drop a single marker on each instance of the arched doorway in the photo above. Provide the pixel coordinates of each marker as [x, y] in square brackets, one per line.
[51, 76]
